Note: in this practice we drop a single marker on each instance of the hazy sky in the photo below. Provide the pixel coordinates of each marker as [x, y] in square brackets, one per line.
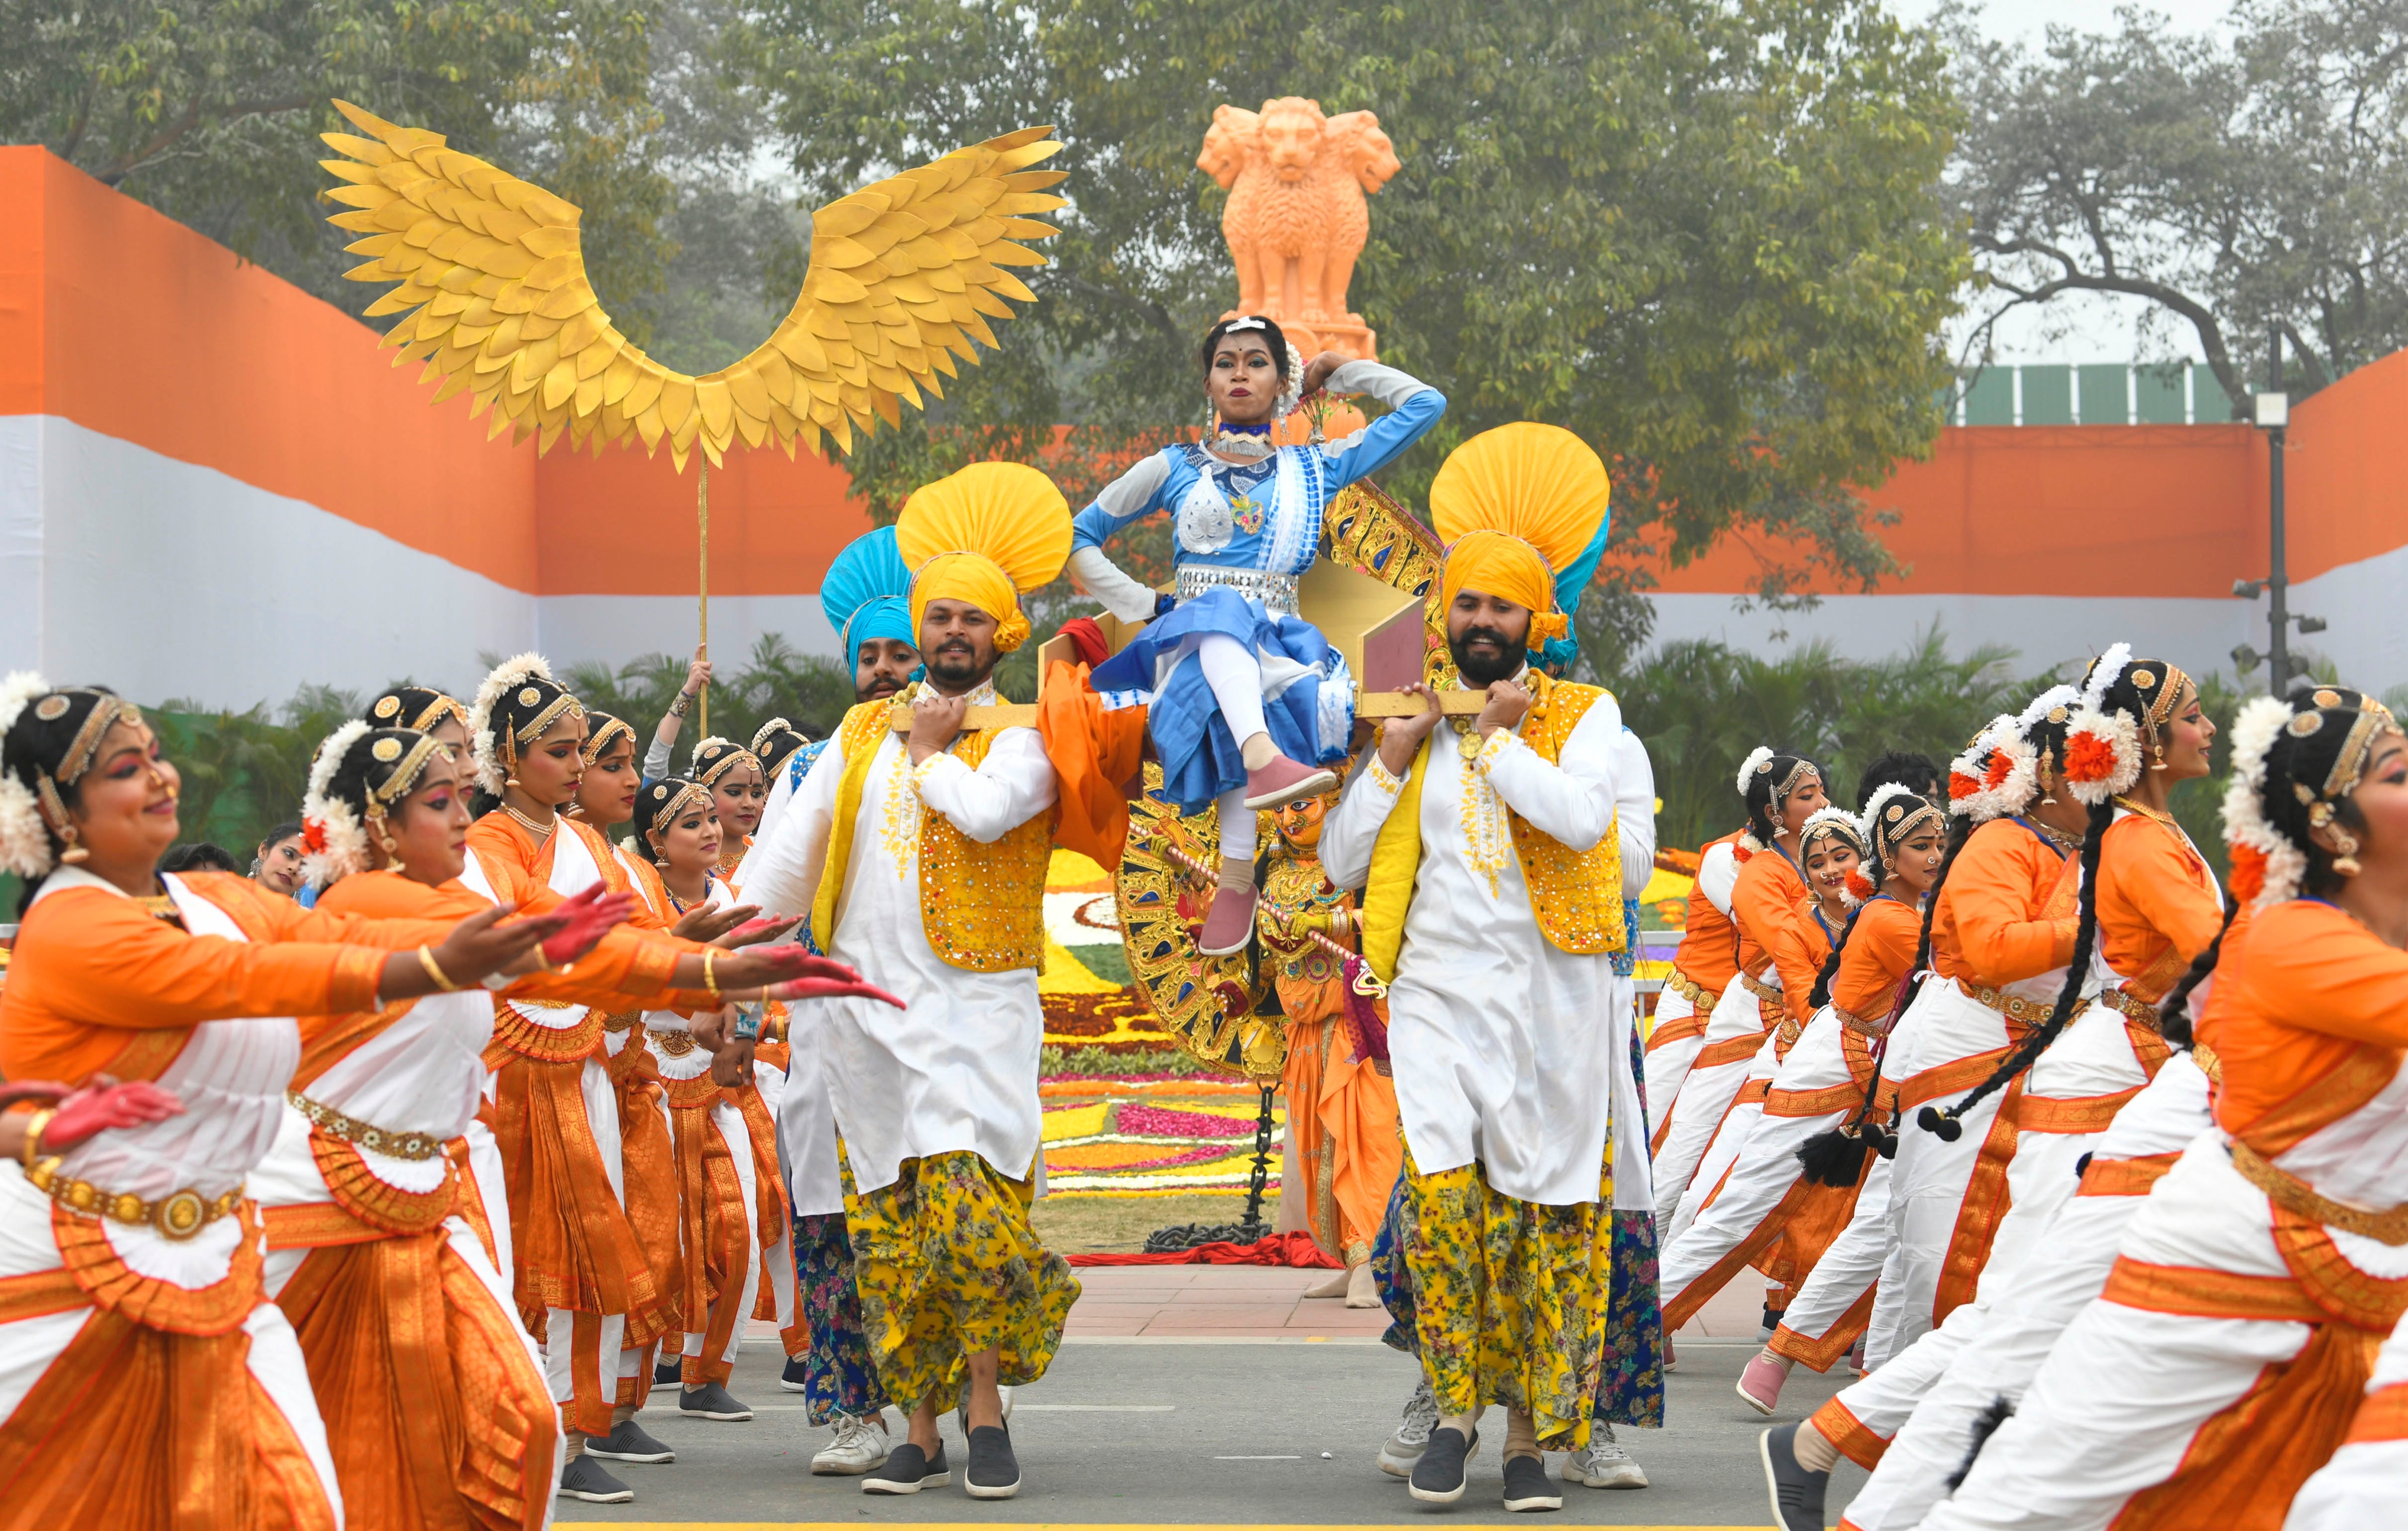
[2080, 327]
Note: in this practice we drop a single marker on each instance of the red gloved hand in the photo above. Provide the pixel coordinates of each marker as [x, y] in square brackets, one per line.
[759, 930]
[590, 915]
[832, 989]
[105, 1103]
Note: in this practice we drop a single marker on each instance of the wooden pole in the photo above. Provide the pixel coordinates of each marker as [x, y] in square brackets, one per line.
[702, 579]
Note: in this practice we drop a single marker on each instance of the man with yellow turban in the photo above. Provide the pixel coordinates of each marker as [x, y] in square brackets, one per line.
[921, 858]
[1492, 859]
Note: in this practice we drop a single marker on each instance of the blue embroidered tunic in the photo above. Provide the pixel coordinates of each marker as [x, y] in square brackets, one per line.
[1243, 532]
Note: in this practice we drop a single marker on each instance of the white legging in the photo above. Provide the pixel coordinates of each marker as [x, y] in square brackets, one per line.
[1236, 676]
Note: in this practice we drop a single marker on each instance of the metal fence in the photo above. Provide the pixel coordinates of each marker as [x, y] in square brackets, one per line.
[2153, 393]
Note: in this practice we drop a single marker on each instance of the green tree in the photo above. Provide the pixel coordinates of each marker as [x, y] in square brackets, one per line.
[1709, 236]
[2232, 183]
[210, 112]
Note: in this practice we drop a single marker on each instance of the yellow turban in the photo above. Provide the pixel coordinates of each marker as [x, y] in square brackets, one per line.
[983, 535]
[1513, 505]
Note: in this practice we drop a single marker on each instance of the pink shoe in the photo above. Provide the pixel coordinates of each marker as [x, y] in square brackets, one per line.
[1760, 1384]
[1230, 924]
[1283, 780]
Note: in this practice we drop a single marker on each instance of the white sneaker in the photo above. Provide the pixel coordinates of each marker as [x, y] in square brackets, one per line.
[860, 1446]
[1602, 1463]
[1404, 1448]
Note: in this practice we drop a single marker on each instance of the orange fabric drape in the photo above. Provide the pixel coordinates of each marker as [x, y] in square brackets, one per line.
[1997, 920]
[436, 1415]
[1343, 1114]
[1096, 754]
[1709, 951]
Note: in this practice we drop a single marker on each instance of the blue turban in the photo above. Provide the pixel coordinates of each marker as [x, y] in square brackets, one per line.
[1561, 653]
[868, 593]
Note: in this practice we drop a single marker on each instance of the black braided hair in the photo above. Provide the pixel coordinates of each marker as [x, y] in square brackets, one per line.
[2173, 1015]
[2121, 695]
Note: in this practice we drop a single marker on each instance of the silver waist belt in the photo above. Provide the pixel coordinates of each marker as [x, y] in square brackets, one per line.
[1276, 591]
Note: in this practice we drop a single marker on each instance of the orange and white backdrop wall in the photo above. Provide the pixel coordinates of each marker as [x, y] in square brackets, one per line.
[215, 487]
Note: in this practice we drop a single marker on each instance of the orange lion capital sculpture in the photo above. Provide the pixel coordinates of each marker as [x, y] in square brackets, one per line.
[1296, 220]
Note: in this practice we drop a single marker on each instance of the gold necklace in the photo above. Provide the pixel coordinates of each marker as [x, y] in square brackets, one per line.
[540, 831]
[2146, 812]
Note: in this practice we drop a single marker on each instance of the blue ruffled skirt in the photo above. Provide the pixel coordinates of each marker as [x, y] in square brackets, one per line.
[1308, 693]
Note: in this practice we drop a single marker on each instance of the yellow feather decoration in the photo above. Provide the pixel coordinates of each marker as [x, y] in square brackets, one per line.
[487, 277]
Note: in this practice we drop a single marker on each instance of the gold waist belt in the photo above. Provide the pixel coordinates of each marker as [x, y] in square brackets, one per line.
[359, 1134]
[2024, 1012]
[1691, 990]
[178, 1215]
[2135, 1009]
[2294, 1195]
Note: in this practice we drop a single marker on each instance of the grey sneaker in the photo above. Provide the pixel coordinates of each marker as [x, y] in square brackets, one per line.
[1437, 1477]
[1603, 1463]
[1797, 1495]
[860, 1446]
[588, 1479]
[1527, 1486]
[908, 1470]
[993, 1472]
[1404, 1448]
[711, 1401]
[628, 1442]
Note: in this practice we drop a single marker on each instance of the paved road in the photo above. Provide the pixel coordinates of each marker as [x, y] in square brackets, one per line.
[1206, 1431]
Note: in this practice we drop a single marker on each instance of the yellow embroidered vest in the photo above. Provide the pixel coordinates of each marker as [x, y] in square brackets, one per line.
[1575, 895]
[982, 907]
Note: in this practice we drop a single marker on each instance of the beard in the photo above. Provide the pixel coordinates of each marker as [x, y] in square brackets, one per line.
[958, 664]
[1478, 670]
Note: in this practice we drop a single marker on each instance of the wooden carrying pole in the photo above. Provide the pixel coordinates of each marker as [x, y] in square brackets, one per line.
[702, 581]
[1373, 703]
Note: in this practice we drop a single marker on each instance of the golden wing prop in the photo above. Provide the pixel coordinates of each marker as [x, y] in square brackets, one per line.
[494, 298]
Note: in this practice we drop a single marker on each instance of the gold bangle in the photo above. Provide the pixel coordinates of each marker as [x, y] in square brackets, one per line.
[710, 955]
[35, 1127]
[426, 960]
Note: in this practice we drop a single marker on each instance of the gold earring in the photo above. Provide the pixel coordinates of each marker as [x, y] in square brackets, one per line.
[74, 856]
[2346, 852]
[2158, 748]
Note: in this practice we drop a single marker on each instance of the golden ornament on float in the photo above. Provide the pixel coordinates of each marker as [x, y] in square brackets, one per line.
[493, 296]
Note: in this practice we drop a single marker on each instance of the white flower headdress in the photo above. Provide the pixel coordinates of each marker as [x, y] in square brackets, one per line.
[24, 838]
[482, 742]
[2247, 828]
[2103, 748]
[1891, 815]
[337, 843]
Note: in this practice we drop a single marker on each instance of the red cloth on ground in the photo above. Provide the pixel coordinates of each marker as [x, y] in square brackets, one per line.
[1295, 1250]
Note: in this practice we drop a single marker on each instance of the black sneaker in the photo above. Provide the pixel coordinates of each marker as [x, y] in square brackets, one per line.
[627, 1442]
[668, 1373]
[908, 1470]
[1438, 1474]
[710, 1401]
[994, 1471]
[1797, 1494]
[792, 1379]
[588, 1479]
[1528, 1485]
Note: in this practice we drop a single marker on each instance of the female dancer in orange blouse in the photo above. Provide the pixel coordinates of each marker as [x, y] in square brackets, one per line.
[581, 1277]
[146, 1380]
[2225, 1359]
[435, 1403]
[1820, 1085]
[1780, 792]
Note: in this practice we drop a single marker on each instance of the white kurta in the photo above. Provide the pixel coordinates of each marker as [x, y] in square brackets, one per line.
[1634, 815]
[1495, 1032]
[956, 1069]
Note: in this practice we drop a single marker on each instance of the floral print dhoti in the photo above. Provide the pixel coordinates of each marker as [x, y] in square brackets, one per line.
[947, 1266]
[1509, 1298]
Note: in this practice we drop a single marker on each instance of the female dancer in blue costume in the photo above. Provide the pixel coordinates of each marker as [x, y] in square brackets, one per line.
[1248, 703]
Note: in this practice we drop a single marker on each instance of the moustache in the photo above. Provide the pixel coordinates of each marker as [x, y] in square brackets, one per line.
[1484, 635]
